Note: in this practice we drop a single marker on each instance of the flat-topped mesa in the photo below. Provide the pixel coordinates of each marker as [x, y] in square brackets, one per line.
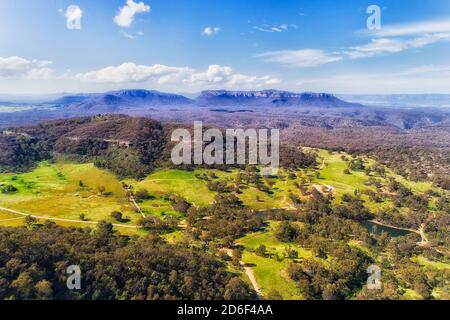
[270, 98]
[141, 100]
[115, 101]
[149, 95]
[271, 93]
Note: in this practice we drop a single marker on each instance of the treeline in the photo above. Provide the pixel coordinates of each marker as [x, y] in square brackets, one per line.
[227, 218]
[417, 154]
[345, 274]
[127, 146]
[417, 164]
[336, 270]
[20, 153]
[339, 271]
[34, 262]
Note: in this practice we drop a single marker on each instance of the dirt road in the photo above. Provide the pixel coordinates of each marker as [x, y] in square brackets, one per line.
[249, 272]
[421, 231]
[133, 201]
[61, 219]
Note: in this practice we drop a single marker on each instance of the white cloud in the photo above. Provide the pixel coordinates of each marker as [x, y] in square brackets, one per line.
[20, 67]
[414, 28]
[209, 31]
[428, 70]
[422, 79]
[304, 58]
[126, 14]
[13, 66]
[300, 58]
[127, 35]
[376, 47]
[391, 39]
[381, 46]
[275, 28]
[396, 38]
[22, 72]
[131, 36]
[129, 72]
[41, 74]
[213, 76]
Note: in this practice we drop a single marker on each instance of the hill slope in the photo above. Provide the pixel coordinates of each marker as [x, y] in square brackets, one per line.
[115, 101]
[269, 98]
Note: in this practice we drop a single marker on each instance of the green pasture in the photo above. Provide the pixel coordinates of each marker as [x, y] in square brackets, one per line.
[183, 183]
[270, 273]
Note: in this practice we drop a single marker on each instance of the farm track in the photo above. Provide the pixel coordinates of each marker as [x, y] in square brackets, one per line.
[133, 201]
[61, 219]
[421, 231]
[12, 219]
[249, 272]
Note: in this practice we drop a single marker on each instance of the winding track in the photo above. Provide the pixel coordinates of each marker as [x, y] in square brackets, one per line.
[133, 201]
[247, 269]
[421, 231]
[248, 272]
[61, 219]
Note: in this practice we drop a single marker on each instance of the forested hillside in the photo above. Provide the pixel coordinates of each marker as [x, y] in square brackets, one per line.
[113, 266]
[101, 192]
[128, 146]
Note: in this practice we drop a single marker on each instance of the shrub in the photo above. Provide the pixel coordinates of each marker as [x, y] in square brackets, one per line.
[8, 189]
[117, 216]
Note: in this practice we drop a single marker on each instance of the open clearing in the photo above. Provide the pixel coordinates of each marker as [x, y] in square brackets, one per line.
[269, 271]
[63, 191]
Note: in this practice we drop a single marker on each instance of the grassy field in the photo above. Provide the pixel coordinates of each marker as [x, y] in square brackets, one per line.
[66, 190]
[271, 275]
[332, 173]
[174, 237]
[183, 183]
[10, 219]
[270, 272]
[430, 264]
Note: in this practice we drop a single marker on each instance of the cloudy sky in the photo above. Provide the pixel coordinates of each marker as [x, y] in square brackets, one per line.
[52, 46]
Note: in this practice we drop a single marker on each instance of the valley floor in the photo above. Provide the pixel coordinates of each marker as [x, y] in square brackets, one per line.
[74, 194]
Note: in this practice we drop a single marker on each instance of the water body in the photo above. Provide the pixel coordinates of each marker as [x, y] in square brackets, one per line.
[393, 232]
[370, 226]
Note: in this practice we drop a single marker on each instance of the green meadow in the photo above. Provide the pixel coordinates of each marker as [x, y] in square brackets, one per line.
[68, 191]
[332, 174]
[270, 271]
[183, 183]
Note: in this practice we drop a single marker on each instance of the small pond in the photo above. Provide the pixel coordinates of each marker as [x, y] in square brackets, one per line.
[393, 232]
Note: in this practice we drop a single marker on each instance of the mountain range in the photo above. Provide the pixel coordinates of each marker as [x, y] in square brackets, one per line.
[123, 100]
[265, 108]
[116, 101]
[268, 98]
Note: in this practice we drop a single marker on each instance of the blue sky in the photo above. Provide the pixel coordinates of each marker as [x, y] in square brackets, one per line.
[188, 46]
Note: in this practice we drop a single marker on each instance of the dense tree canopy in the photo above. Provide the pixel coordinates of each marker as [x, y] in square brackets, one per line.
[33, 265]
